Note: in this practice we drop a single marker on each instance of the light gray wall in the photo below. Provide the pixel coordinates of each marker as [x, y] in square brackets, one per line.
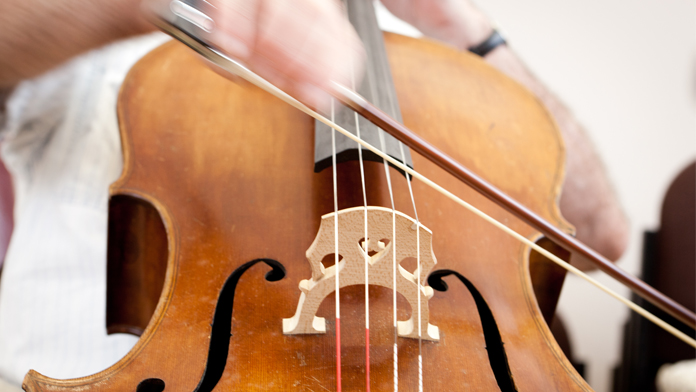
[628, 71]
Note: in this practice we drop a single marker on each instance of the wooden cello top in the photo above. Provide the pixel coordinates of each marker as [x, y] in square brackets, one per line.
[229, 169]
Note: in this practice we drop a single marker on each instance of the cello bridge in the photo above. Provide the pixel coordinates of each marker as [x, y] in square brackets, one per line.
[383, 224]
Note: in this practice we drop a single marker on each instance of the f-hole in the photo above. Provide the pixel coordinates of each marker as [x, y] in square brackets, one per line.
[150, 385]
[222, 323]
[220, 329]
[494, 343]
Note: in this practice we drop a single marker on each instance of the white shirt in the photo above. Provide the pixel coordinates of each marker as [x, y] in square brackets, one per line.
[61, 144]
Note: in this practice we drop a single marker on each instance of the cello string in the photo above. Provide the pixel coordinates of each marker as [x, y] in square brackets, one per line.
[418, 270]
[365, 246]
[418, 289]
[230, 65]
[336, 265]
[380, 132]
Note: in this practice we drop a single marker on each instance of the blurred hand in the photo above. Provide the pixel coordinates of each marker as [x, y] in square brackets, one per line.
[456, 22]
[298, 45]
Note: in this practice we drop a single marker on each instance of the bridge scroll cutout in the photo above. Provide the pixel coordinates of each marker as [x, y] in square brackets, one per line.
[380, 247]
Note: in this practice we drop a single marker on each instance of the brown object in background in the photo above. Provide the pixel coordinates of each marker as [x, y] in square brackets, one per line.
[669, 265]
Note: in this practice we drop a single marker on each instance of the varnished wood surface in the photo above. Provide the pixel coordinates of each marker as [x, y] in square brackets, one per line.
[229, 169]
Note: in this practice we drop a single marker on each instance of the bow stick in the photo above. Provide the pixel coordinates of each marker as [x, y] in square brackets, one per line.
[412, 140]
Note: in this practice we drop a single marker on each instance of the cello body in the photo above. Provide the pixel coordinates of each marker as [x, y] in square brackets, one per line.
[218, 185]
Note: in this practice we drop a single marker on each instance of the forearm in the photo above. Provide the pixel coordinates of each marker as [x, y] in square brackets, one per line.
[587, 199]
[36, 35]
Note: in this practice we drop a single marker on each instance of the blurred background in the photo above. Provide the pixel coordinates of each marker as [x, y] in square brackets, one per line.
[627, 69]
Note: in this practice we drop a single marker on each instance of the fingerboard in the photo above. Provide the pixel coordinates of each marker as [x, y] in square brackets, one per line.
[377, 87]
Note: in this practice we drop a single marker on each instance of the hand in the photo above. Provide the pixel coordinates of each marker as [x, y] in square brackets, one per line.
[456, 22]
[299, 45]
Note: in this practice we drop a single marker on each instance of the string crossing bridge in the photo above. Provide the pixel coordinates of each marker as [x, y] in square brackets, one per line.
[382, 225]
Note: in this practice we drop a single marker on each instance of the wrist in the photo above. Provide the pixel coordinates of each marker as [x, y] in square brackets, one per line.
[475, 30]
[492, 42]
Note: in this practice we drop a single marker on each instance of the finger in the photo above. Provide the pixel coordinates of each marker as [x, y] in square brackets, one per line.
[236, 26]
[313, 46]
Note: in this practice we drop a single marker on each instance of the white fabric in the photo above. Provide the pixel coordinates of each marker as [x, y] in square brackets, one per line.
[62, 147]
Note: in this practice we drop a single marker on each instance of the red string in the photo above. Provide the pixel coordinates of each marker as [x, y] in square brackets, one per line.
[338, 353]
[367, 357]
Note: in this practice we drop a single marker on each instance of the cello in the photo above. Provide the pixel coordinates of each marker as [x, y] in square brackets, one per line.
[267, 208]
